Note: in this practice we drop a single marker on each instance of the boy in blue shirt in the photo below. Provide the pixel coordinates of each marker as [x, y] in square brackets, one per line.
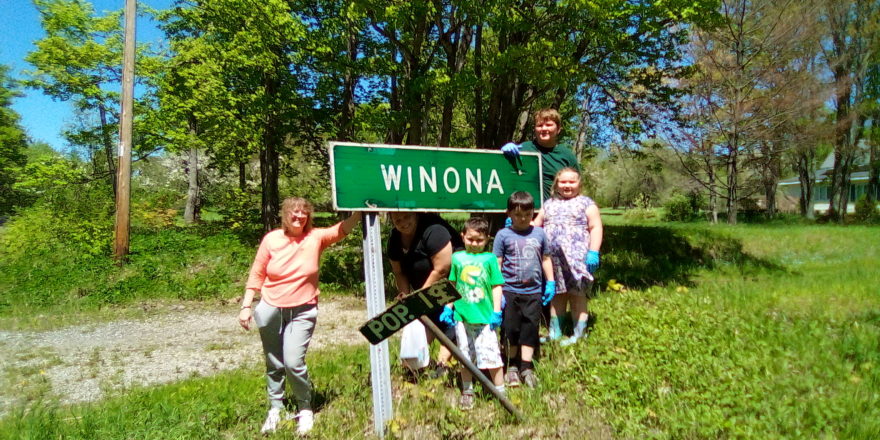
[523, 254]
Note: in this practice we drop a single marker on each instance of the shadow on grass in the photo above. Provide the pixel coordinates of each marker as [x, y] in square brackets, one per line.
[643, 256]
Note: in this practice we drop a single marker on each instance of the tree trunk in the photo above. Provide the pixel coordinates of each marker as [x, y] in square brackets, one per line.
[107, 140]
[806, 175]
[455, 43]
[732, 170]
[242, 176]
[191, 212]
[193, 193]
[347, 110]
[272, 140]
[395, 134]
[873, 188]
[713, 193]
[270, 205]
[584, 126]
[479, 117]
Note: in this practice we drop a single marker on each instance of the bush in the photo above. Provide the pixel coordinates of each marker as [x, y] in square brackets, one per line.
[866, 210]
[679, 208]
[241, 212]
[639, 214]
[84, 226]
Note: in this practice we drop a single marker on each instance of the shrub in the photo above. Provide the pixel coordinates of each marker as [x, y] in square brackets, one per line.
[241, 212]
[678, 208]
[639, 214]
[866, 210]
[84, 225]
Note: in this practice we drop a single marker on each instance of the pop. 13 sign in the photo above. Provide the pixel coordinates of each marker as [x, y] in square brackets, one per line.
[409, 309]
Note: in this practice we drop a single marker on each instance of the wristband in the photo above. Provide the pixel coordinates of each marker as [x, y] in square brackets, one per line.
[244, 307]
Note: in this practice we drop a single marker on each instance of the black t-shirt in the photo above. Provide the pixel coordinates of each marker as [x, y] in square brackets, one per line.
[431, 236]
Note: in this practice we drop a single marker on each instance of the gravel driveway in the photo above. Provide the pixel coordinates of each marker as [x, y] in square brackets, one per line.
[82, 363]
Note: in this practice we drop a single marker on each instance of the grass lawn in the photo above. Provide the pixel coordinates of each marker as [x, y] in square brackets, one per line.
[705, 332]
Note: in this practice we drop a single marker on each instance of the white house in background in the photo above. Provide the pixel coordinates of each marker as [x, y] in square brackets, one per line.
[791, 188]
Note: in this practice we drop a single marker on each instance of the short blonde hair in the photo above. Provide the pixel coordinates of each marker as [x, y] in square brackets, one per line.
[548, 114]
[291, 204]
[554, 190]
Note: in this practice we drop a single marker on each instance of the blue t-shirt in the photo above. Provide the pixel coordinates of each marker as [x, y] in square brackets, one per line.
[522, 253]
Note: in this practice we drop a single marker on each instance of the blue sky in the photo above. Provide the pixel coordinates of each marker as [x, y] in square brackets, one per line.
[41, 117]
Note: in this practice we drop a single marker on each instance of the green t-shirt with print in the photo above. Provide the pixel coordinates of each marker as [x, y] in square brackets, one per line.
[552, 161]
[474, 276]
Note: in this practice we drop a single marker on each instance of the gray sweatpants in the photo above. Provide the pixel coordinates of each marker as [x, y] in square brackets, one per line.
[286, 333]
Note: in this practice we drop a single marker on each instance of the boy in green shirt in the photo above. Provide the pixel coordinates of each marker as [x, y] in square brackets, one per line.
[477, 314]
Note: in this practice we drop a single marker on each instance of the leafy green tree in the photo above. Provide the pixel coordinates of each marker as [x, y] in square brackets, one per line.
[851, 42]
[253, 75]
[80, 60]
[12, 144]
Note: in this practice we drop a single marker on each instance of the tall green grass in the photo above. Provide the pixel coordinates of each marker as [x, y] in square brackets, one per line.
[174, 263]
[707, 332]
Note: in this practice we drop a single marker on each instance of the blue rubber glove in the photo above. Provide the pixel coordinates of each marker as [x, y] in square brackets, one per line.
[508, 222]
[510, 149]
[549, 292]
[447, 317]
[592, 261]
[495, 321]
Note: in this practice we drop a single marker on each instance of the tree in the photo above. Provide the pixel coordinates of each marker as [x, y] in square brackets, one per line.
[78, 58]
[740, 85]
[852, 41]
[254, 79]
[12, 144]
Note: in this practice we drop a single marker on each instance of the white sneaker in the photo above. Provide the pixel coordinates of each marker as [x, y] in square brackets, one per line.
[271, 423]
[306, 419]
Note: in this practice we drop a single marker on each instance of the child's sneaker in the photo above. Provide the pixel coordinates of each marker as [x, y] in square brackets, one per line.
[466, 402]
[530, 378]
[439, 372]
[271, 423]
[512, 377]
[568, 341]
[305, 421]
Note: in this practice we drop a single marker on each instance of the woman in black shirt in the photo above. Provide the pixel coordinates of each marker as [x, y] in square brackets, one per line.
[420, 250]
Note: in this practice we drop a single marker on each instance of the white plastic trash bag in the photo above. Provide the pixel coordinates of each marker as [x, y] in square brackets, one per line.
[414, 346]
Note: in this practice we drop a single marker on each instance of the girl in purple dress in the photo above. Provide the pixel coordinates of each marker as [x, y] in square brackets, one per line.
[574, 228]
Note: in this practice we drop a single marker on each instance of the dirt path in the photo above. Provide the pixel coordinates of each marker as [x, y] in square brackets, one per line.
[85, 363]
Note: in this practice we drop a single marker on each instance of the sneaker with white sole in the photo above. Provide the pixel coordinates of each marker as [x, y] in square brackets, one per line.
[530, 378]
[466, 402]
[271, 423]
[512, 377]
[305, 421]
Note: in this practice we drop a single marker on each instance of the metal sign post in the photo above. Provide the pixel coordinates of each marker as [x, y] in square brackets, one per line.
[380, 364]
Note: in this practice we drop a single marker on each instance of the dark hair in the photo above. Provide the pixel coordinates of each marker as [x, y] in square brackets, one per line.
[520, 200]
[477, 224]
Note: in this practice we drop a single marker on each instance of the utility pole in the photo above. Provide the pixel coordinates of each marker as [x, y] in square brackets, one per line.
[123, 176]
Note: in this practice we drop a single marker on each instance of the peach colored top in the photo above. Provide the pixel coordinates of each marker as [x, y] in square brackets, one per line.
[285, 270]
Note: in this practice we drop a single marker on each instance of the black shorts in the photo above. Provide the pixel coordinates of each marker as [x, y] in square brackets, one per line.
[448, 330]
[521, 319]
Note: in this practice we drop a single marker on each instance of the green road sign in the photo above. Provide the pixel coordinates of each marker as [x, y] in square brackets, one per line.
[409, 309]
[372, 177]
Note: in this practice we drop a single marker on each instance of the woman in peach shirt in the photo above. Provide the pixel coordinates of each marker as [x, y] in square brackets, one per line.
[285, 274]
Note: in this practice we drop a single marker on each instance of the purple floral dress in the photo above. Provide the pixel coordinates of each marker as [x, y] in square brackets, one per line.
[566, 226]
